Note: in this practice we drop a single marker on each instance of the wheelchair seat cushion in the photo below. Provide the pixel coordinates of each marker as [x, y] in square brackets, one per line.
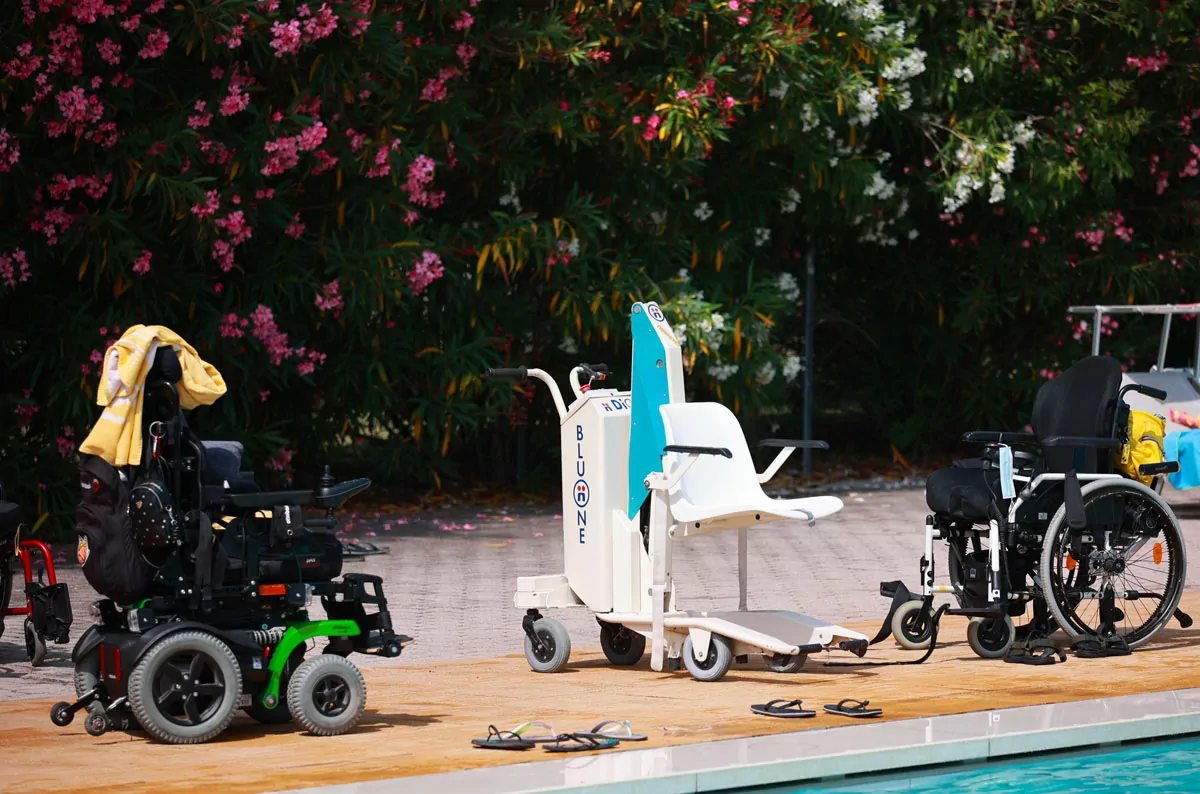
[963, 492]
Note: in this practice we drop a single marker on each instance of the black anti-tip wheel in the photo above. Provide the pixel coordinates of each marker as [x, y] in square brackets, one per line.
[96, 723]
[61, 714]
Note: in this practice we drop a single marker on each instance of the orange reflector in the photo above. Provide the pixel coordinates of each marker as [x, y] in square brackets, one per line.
[1158, 554]
[1070, 563]
[272, 589]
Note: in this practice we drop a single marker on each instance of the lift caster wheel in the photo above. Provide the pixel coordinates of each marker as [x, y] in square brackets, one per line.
[553, 649]
[61, 714]
[716, 662]
[96, 723]
[785, 663]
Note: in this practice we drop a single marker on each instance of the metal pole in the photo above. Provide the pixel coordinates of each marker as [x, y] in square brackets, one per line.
[1162, 342]
[1096, 331]
[810, 311]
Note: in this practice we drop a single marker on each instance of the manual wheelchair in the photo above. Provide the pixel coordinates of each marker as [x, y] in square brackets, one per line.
[46, 604]
[1070, 538]
[219, 619]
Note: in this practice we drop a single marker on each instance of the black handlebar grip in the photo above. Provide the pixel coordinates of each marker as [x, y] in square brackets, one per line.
[513, 373]
[1150, 391]
[597, 368]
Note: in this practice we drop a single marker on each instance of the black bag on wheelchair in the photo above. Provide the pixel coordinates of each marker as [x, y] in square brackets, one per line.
[107, 548]
[152, 510]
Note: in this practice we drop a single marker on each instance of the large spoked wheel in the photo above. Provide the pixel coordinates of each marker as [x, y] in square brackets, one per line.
[991, 638]
[1125, 568]
[785, 663]
[622, 646]
[327, 695]
[912, 626]
[185, 690]
[554, 646]
[716, 662]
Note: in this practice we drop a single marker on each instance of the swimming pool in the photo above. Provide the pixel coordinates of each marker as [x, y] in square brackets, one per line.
[1169, 767]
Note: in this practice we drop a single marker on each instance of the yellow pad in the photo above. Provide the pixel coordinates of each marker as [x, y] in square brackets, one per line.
[117, 436]
[1143, 444]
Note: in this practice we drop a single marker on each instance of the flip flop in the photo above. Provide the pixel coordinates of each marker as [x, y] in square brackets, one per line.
[857, 708]
[1101, 649]
[783, 708]
[612, 729]
[578, 743]
[549, 736]
[502, 740]
[1037, 651]
[357, 548]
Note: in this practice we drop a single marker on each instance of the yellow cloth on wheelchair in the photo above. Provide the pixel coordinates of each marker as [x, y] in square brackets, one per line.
[117, 436]
[1143, 444]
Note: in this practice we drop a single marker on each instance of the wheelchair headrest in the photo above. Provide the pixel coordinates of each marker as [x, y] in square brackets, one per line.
[166, 366]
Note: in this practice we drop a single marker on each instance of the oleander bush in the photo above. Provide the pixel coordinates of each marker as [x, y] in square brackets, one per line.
[353, 208]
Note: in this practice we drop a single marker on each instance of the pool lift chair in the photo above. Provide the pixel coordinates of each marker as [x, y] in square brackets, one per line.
[643, 470]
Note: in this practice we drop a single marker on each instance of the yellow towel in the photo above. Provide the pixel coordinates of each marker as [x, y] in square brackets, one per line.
[117, 437]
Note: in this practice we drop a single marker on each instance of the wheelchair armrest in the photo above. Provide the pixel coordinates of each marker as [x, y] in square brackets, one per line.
[1088, 442]
[691, 450]
[786, 443]
[994, 437]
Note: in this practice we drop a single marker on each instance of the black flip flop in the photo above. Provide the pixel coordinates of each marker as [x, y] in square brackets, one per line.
[1094, 648]
[1035, 652]
[613, 729]
[856, 708]
[578, 743]
[502, 740]
[360, 548]
[781, 707]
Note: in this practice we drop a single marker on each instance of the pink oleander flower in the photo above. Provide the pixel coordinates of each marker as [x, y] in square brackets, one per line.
[311, 137]
[88, 11]
[285, 37]
[212, 202]
[235, 102]
[420, 177]
[231, 327]
[222, 251]
[201, 119]
[651, 131]
[358, 25]
[318, 26]
[357, 141]
[110, 51]
[425, 271]
[324, 161]
[1151, 63]
[79, 108]
[329, 299]
[464, 21]
[156, 45]
[383, 162]
[466, 53]
[141, 265]
[266, 331]
[10, 150]
[234, 224]
[14, 268]
[295, 230]
[280, 460]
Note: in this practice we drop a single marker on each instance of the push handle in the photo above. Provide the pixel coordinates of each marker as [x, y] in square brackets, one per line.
[512, 373]
[1141, 388]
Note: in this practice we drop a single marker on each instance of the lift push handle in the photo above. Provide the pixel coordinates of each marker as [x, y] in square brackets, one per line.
[512, 373]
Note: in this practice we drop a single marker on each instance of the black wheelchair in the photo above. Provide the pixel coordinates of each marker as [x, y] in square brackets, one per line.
[44, 601]
[208, 611]
[1069, 542]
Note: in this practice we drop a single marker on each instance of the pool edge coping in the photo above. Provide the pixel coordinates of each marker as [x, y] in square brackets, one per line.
[652, 770]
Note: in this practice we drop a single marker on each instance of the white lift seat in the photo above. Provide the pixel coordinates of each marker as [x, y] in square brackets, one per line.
[718, 493]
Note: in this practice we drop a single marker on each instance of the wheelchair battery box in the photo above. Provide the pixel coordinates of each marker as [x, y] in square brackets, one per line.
[312, 556]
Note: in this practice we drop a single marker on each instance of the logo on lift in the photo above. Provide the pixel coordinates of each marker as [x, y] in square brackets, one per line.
[655, 313]
[583, 494]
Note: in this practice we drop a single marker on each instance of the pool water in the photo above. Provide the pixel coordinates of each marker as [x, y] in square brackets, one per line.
[1166, 767]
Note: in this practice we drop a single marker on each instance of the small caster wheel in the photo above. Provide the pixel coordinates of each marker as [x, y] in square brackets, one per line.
[96, 723]
[716, 662]
[785, 663]
[554, 646]
[61, 714]
[327, 695]
[35, 646]
[991, 638]
[912, 626]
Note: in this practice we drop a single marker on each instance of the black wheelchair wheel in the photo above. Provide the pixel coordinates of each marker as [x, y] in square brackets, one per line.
[185, 690]
[1121, 575]
[621, 646]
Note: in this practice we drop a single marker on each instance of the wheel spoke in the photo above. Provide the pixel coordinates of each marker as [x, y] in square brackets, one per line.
[213, 689]
[192, 709]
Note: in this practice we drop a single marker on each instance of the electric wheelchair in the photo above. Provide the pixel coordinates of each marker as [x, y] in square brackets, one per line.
[1055, 524]
[208, 584]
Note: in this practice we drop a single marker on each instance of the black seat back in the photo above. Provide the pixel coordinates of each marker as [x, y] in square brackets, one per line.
[1079, 402]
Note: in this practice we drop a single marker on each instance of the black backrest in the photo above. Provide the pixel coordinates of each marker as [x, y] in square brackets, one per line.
[1079, 402]
[166, 366]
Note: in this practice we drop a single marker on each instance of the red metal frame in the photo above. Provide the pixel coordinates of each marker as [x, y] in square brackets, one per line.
[25, 551]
